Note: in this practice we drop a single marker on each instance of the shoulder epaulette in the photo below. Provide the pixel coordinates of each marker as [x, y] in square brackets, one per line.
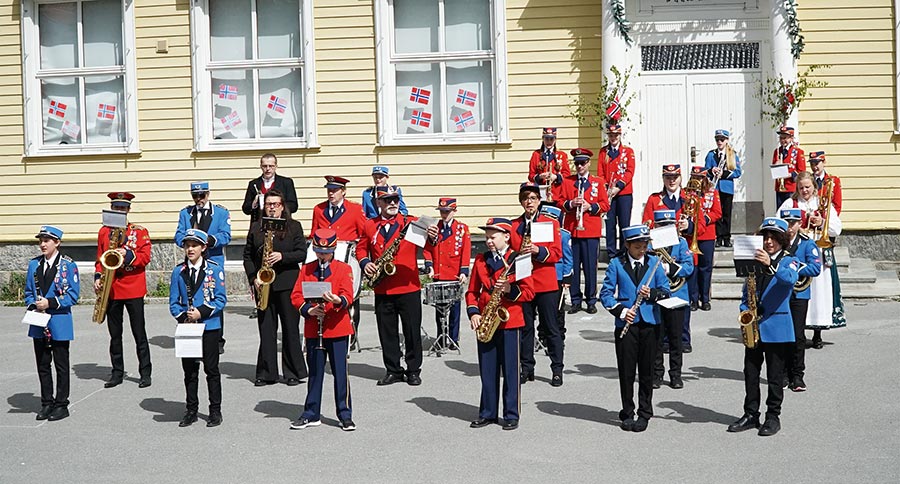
[223, 207]
[67, 259]
[137, 227]
[38, 258]
[211, 262]
[188, 207]
[804, 235]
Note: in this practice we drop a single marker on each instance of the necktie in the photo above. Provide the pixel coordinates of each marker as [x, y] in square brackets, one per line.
[819, 183]
[193, 277]
[582, 183]
[637, 267]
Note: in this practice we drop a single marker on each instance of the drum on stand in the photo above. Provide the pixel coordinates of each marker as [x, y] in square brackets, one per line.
[442, 295]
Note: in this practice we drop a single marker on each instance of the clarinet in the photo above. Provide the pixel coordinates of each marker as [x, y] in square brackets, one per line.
[638, 301]
[48, 336]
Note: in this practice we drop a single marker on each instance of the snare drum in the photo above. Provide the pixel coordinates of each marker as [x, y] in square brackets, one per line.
[344, 252]
[443, 292]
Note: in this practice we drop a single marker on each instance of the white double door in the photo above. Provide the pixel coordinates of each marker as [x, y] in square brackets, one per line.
[681, 112]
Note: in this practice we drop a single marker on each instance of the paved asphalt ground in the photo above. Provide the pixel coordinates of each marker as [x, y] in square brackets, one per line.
[843, 430]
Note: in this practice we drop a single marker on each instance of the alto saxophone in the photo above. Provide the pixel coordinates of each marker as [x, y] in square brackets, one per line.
[266, 274]
[749, 319]
[111, 260]
[494, 313]
[384, 265]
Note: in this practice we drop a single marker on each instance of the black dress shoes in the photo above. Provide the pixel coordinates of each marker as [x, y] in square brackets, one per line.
[113, 382]
[526, 377]
[627, 424]
[58, 413]
[575, 308]
[390, 379]
[687, 349]
[640, 425]
[214, 420]
[292, 382]
[556, 380]
[726, 242]
[771, 427]
[676, 382]
[189, 418]
[511, 425]
[746, 422]
[694, 306]
[719, 242]
[413, 379]
[482, 422]
[44, 413]
[591, 309]
[705, 306]
[657, 382]
[261, 383]
[145, 382]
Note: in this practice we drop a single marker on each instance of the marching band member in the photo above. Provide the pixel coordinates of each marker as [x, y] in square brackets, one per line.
[807, 253]
[499, 356]
[215, 220]
[447, 253]
[327, 339]
[826, 309]
[129, 286]
[380, 177]
[817, 162]
[706, 240]
[776, 331]
[725, 164]
[544, 257]
[345, 217]
[632, 276]
[288, 251]
[397, 296]
[549, 166]
[563, 273]
[790, 154]
[615, 164]
[672, 320]
[585, 203]
[52, 286]
[254, 204]
[197, 295]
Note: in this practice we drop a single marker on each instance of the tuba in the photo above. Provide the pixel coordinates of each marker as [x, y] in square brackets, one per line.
[494, 313]
[825, 209]
[749, 319]
[266, 274]
[110, 260]
[384, 265]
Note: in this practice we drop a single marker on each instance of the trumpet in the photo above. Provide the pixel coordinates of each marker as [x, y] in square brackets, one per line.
[580, 214]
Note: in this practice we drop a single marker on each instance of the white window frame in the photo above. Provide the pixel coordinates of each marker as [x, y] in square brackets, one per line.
[896, 67]
[385, 76]
[202, 95]
[31, 86]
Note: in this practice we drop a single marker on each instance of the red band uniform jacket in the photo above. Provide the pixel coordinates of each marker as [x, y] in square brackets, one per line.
[544, 271]
[485, 273]
[616, 166]
[377, 236]
[597, 204]
[451, 253]
[556, 162]
[796, 162]
[337, 322]
[348, 223]
[129, 281]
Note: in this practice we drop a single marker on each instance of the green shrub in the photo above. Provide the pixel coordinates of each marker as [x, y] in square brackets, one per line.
[13, 292]
[161, 290]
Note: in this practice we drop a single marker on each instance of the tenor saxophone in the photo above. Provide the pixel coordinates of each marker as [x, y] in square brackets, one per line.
[749, 319]
[494, 313]
[265, 274]
[384, 265]
[110, 260]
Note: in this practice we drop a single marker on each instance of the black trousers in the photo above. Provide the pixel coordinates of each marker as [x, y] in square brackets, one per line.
[292, 364]
[560, 320]
[191, 367]
[636, 350]
[723, 225]
[795, 365]
[774, 355]
[406, 310]
[672, 326]
[545, 304]
[58, 355]
[114, 322]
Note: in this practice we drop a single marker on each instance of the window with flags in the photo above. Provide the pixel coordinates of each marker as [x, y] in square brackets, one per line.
[254, 77]
[441, 71]
[79, 77]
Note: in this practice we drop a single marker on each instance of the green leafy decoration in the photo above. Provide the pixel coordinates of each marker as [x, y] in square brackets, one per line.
[593, 112]
[781, 98]
[618, 11]
[793, 28]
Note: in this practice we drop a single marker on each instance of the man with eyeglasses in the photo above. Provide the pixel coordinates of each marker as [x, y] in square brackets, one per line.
[257, 188]
[212, 219]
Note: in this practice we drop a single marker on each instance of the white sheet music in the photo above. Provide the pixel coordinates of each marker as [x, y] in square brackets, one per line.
[779, 171]
[115, 219]
[745, 246]
[672, 303]
[523, 267]
[664, 236]
[35, 318]
[416, 234]
[541, 232]
[544, 189]
[315, 290]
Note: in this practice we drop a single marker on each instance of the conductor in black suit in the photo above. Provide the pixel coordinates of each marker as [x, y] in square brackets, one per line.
[258, 187]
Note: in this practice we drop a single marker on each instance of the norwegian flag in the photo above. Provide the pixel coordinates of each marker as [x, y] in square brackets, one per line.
[466, 97]
[420, 118]
[788, 101]
[230, 121]
[57, 109]
[71, 130]
[276, 104]
[614, 110]
[419, 95]
[227, 92]
[464, 120]
[106, 111]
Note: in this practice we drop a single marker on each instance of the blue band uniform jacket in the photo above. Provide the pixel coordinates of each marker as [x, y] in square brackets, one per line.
[216, 222]
[208, 295]
[60, 286]
[619, 291]
[773, 303]
[809, 254]
[683, 267]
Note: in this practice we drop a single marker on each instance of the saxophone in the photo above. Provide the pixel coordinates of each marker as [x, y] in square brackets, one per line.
[265, 274]
[384, 265]
[494, 313]
[110, 260]
[749, 319]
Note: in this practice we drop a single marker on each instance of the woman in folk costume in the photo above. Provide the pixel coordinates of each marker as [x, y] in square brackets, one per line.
[826, 309]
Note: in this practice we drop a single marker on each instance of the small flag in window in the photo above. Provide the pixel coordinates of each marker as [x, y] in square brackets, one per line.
[419, 95]
[230, 121]
[57, 109]
[464, 120]
[466, 97]
[227, 92]
[614, 110]
[106, 111]
[71, 130]
[277, 104]
[420, 118]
